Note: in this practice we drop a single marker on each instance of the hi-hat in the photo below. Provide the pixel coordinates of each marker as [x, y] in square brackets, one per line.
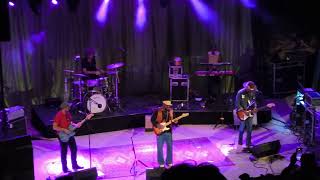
[115, 65]
[80, 75]
[68, 71]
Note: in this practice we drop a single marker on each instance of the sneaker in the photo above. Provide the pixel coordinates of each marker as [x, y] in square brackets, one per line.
[169, 165]
[161, 166]
[77, 167]
[66, 170]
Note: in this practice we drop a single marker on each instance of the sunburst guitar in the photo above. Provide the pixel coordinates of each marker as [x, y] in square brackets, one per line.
[161, 127]
[247, 113]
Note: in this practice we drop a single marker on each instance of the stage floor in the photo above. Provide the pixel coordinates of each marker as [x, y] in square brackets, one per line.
[113, 155]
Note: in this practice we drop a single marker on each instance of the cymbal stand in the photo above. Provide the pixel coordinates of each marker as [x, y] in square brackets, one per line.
[116, 97]
[66, 89]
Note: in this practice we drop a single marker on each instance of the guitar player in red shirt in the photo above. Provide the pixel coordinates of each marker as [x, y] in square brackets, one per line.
[62, 124]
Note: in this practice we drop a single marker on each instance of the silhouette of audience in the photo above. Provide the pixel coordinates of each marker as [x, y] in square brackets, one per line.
[308, 170]
[204, 171]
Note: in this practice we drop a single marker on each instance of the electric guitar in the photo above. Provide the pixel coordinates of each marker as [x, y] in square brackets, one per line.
[247, 113]
[161, 127]
[64, 137]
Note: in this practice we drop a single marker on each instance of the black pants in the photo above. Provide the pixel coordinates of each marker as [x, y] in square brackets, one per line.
[63, 152]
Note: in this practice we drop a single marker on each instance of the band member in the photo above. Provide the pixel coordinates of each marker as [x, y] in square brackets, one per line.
[164, 114]
[88, 65]
[61, 124]
[246, 98]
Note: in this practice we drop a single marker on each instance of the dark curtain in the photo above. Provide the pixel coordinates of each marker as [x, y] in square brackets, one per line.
[44, 44]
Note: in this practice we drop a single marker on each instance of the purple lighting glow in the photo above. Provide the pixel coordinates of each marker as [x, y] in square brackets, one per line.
[54, 2]
[202, 10]
[101, 15]
[141, 15]
[11, 4]
[249, 3]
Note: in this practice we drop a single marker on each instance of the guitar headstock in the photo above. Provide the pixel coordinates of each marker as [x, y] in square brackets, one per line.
[271, 105]
[184, 114]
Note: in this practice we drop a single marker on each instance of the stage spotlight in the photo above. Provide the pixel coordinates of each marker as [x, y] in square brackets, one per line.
[54, 2]
[141, 15]
[11, 4]
[35, 6]
[102, 12]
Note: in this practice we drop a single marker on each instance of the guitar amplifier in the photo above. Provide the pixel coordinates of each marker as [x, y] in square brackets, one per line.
[179, 88]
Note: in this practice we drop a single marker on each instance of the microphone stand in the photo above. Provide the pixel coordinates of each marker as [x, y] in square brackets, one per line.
[136, 161]
[89, 138]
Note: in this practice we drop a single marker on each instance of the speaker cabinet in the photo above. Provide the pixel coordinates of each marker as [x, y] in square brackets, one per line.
[154, 174]
[16, 157]
[86, 174]
[4, 21]
[266, 149]
[179, 88]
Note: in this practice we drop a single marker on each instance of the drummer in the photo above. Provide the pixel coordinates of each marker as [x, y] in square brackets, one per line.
[88, 65]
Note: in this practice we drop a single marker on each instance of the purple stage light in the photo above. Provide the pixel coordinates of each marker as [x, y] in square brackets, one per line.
[202, 10]
[11, 4]
[141, 15]
[249, 3]
[54, 2]
[102, 13]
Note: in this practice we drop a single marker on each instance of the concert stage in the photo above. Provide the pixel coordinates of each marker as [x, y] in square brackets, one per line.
[133, 114]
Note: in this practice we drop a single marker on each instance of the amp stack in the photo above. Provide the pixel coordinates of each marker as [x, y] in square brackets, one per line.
[311, 117]
[179, 82]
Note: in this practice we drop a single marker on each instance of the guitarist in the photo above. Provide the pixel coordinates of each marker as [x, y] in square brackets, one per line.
[62, 120]
[246, 97]
[164, 114]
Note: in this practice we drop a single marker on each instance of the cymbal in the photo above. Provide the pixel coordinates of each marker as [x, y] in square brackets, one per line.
[115, 65]
[68, 71]
[80, 75]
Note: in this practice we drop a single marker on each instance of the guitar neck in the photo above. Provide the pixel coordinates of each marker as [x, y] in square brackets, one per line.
[175, 119]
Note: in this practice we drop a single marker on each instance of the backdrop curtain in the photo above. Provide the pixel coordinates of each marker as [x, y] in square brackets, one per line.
[43, 45]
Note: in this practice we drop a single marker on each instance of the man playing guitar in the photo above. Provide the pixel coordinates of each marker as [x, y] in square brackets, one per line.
[163, 114]
[245, 98]
[65, 128]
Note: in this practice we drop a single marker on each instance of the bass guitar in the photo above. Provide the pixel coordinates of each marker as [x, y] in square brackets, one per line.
[161, 127]
[64, 137]
[244, 114]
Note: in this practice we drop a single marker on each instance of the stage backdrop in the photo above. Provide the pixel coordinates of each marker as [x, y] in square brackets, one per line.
[43, 44]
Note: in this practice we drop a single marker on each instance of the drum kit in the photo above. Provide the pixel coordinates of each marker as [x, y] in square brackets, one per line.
[94, 95]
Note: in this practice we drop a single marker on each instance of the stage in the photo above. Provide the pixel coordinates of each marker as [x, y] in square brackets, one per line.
[112, 152]
[133, 112]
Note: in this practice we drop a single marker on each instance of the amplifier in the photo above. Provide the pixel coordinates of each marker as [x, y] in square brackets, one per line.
[179, 88]
[312, 98]
[14, 112]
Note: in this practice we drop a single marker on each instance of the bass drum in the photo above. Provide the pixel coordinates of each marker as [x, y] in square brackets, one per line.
[95, 102]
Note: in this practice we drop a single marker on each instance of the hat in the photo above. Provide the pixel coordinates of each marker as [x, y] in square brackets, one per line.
[64, 105]
[250, 85]
[167, 103]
